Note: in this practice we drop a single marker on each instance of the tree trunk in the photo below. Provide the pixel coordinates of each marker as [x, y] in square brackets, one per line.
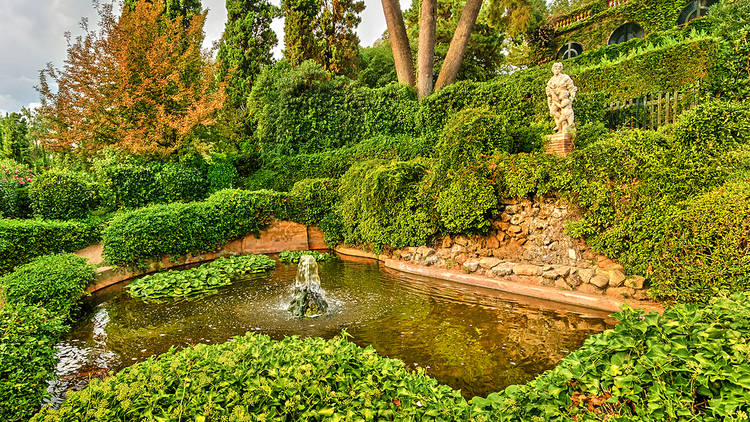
[426, 52]
[457, 49]
[399, 42]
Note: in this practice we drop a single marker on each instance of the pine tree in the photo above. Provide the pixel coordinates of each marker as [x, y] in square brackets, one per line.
[246, 46]
[299, 30]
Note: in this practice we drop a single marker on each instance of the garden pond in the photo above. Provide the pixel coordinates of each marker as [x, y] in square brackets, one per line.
[473, 339]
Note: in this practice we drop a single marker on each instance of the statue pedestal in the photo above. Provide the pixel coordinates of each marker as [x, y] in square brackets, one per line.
[560, 144]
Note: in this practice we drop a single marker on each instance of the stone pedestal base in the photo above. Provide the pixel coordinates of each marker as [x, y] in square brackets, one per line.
[560, 144]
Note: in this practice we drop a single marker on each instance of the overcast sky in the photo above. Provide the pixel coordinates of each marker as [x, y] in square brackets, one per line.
[32, 34]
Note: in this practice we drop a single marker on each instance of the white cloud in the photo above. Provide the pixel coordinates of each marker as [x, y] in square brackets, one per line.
[32, 34]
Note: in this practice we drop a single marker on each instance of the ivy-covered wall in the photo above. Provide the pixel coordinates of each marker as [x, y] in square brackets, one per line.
[594, 30]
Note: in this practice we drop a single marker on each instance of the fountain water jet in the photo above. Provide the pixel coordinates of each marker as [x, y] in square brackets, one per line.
[309, 298]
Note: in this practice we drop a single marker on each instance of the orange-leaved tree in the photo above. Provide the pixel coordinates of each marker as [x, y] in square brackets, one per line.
[139, 83]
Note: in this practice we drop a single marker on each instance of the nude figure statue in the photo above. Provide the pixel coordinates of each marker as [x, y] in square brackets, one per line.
[560, 95]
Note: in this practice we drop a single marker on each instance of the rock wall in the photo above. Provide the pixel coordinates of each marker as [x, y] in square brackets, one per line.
[528, 244]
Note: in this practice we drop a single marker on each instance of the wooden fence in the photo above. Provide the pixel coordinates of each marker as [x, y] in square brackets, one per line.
[650, 111]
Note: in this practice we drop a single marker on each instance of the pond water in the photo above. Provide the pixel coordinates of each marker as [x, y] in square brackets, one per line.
[473, 339]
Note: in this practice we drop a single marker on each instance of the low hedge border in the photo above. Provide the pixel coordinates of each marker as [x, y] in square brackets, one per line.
[22, 240]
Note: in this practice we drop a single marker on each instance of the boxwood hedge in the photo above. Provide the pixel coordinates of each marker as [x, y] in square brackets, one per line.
[22, 240]
[179, 229]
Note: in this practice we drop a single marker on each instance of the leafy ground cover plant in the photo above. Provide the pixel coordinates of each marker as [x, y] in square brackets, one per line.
[198, 281]
[691, 363]
[256, 378]
[28, 335]
[292, 257]
[54, 282]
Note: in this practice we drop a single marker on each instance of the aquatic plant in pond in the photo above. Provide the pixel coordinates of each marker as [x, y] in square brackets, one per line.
[292, 257]
[309, 299]
[199, 281]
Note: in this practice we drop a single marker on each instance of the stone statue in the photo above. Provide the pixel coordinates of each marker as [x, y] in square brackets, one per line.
[560, 95]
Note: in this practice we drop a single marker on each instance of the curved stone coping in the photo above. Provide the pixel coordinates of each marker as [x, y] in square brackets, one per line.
[510, 284]
[277, 237]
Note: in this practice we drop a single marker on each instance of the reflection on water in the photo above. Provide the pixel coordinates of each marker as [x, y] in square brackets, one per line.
[473, 339]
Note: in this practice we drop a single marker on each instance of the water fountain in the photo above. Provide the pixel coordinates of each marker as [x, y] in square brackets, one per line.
[309, 298]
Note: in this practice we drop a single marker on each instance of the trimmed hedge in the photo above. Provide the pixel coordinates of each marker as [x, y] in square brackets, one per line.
[184, 228]
[61, 195]
[54, 282]
[256, 378]
[22, 240]
[131, 185]
[28, 336]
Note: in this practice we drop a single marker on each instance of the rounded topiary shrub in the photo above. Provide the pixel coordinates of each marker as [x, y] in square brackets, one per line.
[469, 134]
[466, 205]
[312, 199]
[60, 195]
[180, 182]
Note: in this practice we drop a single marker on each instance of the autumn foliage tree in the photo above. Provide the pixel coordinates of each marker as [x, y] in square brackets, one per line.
[140, 83]
[323, 31]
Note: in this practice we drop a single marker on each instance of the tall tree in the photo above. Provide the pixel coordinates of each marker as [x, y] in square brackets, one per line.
[455, 55]
[140, 83]
[338, 41]
[299, 30]
[14, 142]
[323, 31]
[172, 8]
[426, 51]
[399, 42]
[246, 46]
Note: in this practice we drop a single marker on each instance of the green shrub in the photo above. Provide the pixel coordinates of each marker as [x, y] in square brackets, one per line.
[304, 109]
[199, 281]
[688, 364]
[132, 185]
[706, 247]
[379, 205]
[181, 182]
[292, 257]
[312, 199]
[222, 174]
[22, 240]
[280, 172]
[256, 378]
[54, 282]
[713, 127]
[14, 194]
[60, 195]
[467, 204]
[28, 336]
[184, 228]
[238, 204]
[470, 134]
